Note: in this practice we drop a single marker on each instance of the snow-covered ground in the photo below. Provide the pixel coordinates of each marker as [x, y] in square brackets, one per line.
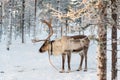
[24, 62]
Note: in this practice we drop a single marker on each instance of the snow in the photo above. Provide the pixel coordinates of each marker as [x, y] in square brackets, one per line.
[24, 62]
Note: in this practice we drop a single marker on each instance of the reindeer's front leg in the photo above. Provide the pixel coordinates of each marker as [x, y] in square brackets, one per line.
[63, 63]
[86, 50]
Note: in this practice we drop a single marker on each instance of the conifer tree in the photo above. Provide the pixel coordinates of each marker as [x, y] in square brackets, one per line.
[114, 39]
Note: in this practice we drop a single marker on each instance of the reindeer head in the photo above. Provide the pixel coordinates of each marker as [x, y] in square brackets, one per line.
[46, 44]
[44, 47]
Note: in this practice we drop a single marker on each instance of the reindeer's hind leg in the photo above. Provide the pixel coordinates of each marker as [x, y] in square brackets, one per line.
[63, 63]
[85, 55]
[81, 62]
[69, 59]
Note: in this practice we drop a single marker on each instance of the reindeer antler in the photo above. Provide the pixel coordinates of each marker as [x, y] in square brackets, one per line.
[51, 31]
[35, 40]
[50, 27]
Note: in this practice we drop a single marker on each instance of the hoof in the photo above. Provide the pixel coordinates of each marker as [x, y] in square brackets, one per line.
[79, 69]
[85, 70]
[62, 71]
[68, 71]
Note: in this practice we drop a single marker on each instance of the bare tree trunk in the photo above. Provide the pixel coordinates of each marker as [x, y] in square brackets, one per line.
[22, 23]
[11, 23]
[102, 38]
[57, 23]
[66, 27]
[9, 31]
[29, 23]
[114, 40]
[34, 35]
[9, 28]
[61, 30]
[0, 21]
[66, 22]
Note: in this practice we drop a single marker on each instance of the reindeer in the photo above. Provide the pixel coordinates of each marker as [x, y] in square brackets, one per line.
[65, 46]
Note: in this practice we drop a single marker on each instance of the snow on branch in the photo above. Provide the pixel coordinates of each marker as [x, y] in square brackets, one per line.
[72, 14]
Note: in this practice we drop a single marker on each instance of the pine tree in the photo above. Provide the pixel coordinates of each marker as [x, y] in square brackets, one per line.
[34, 34]
[0, 21]
[23, 19]
[114, 40]
[9, 27]
[102, 37]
